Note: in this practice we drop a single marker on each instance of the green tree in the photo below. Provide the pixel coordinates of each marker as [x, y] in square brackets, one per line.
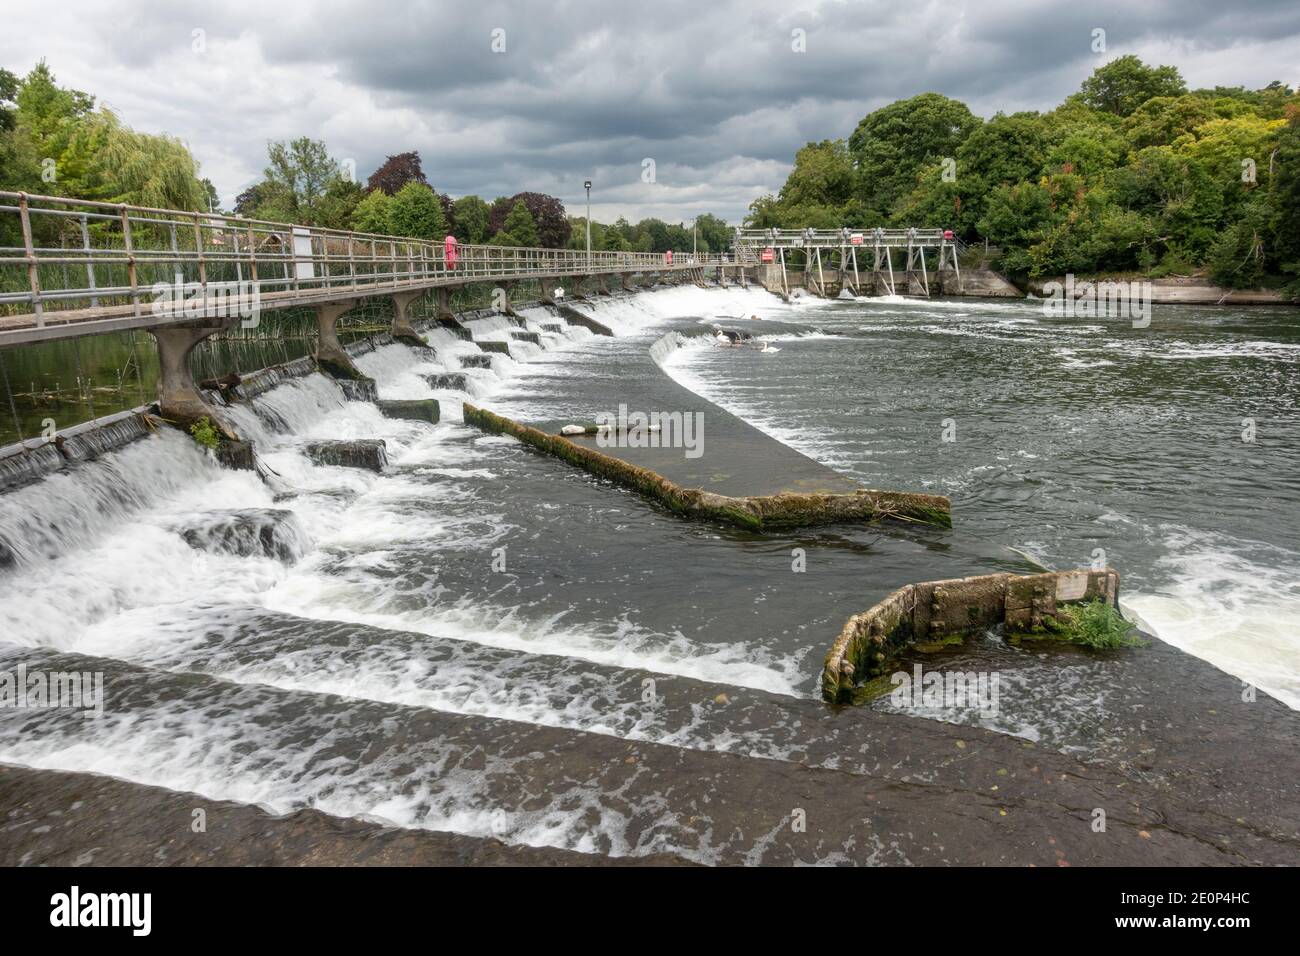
[417, 212]
[1283, 206]
[298, 174]
[1125, 83]
[714, 233]
[520, 225]
[764, 213]
[371, 213]
[822, 176]
[8, 94]
[1239, 257]
[144, 169]
[891, 145]
[336, 208]
[471, 219]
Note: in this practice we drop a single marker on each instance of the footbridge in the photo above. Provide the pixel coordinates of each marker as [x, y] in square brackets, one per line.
[852, 259]
[72, 268]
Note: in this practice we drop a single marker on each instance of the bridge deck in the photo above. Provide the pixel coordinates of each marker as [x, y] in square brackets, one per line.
[146, 313]
[85, 267]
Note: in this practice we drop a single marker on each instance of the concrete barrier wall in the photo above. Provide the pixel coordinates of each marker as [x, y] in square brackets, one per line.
[32, 460]
[754, 513]
[933, 610]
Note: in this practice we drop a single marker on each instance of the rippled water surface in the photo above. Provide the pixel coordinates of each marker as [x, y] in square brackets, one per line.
[1073, 440]
[376, 644]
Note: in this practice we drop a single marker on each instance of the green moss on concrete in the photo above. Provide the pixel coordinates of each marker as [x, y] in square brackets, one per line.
[873, 689]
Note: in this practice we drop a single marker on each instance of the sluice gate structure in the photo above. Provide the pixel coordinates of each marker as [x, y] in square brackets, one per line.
[836, 260]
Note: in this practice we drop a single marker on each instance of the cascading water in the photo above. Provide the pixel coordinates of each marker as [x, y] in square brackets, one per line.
[389, 645]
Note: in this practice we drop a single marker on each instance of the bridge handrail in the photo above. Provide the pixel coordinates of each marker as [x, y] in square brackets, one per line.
[120, 251]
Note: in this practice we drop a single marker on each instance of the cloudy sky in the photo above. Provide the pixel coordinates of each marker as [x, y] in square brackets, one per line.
[713, 91]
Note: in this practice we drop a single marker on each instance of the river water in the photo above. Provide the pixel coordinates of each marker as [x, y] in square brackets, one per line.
[1072, 440]
[260, 639]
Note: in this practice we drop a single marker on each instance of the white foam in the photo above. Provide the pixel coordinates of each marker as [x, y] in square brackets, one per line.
[1235, 604]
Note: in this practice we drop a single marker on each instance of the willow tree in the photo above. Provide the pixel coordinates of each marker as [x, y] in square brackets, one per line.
[146, 169]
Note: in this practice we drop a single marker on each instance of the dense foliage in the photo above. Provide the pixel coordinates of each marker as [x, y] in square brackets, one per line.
[1132, 173]
[54, 141]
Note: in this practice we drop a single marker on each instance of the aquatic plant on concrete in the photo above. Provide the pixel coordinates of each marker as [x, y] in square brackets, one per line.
[205, 433]
[1096, 624]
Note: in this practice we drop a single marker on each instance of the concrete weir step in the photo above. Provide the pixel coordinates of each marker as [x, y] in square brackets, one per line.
[971, 796]
[53, 817]
[501, 348]
[455, 381]
[368, 453]
[475, 361]
[417, 409]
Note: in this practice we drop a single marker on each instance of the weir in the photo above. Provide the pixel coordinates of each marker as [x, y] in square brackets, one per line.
[228, 685]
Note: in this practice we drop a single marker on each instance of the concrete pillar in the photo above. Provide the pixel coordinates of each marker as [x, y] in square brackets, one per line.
[601, 287]
[625, 280]
[179, 400]
[442, 303]
[330, 354]
[403, 329]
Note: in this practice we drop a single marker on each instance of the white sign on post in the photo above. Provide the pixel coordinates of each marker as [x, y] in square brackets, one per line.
[304, 267]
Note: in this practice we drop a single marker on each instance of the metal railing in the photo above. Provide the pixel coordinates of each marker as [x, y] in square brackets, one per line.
[80, 260]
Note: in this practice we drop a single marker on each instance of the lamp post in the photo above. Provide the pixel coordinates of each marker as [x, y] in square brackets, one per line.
[587, 186]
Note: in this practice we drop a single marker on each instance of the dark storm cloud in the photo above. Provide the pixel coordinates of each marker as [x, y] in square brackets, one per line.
[713, 92]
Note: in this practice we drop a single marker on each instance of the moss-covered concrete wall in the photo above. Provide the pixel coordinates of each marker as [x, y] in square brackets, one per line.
[933, 610]
[755, 513]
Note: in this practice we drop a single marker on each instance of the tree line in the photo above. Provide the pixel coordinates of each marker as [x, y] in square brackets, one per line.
[1133, 173]
[56, 141]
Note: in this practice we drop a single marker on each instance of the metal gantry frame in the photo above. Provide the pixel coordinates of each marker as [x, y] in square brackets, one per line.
[821, 246]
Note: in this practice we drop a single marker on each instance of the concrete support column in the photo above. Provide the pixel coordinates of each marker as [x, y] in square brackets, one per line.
[601, 287]
[330, 354]
[626, 281]
[442, 303]
[179, 400]
[403, 329]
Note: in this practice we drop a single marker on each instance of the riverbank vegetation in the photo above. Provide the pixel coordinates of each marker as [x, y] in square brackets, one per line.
[1134, 172]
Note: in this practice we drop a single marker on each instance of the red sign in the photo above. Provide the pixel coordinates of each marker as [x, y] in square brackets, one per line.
[768, 254]
[855, 239]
